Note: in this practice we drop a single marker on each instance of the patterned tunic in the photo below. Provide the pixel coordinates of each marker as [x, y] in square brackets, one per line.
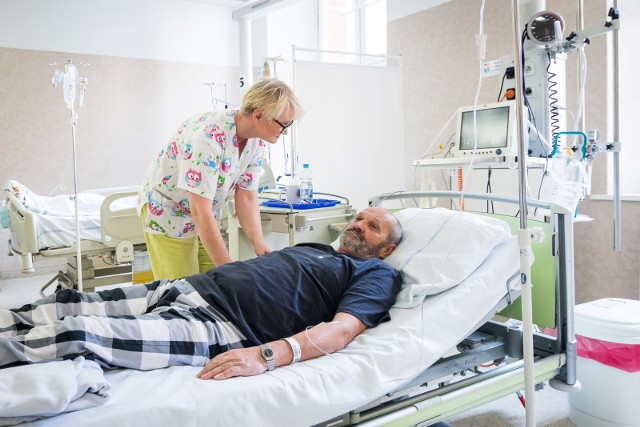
[203, 158]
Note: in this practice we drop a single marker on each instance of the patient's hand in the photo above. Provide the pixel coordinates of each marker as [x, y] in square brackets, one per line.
[242, 362]
[16, 191]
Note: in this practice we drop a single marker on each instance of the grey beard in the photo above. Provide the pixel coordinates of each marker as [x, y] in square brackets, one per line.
[354, 245]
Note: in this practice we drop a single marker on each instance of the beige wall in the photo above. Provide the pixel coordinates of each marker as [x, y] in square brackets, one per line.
[131, 108]
[441, 74]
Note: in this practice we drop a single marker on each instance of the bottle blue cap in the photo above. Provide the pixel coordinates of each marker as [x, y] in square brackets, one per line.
[305, 165]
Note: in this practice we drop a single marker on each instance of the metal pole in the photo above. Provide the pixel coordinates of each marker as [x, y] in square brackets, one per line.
[566, 235]
[524, 236]
[76, 202]
[293, 151]
[580, 25]
[617, 214]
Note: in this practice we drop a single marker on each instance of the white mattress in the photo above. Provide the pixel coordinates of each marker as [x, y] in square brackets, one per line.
[375, 363]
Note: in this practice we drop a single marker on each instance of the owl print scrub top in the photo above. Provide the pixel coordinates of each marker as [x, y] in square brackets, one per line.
[202, 157]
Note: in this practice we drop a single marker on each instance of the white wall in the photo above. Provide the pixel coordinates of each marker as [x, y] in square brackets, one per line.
[397, 9]
[171, 30]
[300, 21]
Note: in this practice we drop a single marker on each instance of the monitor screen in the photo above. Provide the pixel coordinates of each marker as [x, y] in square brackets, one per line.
[492, 125]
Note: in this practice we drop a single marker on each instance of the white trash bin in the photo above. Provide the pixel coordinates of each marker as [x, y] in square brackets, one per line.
[608, 365]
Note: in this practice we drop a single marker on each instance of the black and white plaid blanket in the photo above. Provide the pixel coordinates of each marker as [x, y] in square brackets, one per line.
[160, 324]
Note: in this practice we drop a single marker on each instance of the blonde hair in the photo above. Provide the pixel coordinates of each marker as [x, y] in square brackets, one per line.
[273, 97]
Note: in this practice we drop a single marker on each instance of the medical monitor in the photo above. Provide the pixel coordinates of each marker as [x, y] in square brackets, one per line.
[493, 129]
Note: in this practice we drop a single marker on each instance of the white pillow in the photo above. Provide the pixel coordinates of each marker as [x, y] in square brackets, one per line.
[440, 248]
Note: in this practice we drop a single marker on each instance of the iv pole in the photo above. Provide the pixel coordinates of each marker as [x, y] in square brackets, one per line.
[69, 80]
[524, 235]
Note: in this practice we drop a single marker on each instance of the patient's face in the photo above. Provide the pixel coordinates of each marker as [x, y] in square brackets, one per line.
[367, 234]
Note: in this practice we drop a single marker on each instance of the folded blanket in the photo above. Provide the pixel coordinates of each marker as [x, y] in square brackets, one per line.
[47, 389]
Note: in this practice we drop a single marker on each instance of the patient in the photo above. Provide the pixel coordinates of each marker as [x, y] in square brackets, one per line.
[294, 304]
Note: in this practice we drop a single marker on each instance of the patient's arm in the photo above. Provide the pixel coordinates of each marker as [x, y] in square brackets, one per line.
[324, 338]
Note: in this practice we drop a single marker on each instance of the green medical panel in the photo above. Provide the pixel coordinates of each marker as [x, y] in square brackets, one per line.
[543, 276]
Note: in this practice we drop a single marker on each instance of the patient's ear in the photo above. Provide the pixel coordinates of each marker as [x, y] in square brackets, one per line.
[386, 251]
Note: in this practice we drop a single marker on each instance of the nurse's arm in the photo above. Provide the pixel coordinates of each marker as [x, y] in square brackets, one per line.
[208, 229]
[248, 211]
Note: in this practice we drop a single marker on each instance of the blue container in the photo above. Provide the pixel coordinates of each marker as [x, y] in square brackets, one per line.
[4, 217]
[317, 203]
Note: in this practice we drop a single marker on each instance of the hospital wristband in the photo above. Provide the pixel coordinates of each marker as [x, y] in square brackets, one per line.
[297, 351]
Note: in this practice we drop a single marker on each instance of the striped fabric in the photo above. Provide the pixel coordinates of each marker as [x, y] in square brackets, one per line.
[160, 324]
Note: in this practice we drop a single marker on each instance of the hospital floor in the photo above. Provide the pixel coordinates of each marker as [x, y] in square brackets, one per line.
[552, 410]
[552, 406]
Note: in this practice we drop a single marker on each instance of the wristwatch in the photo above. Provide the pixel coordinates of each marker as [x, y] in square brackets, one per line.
[267, 355]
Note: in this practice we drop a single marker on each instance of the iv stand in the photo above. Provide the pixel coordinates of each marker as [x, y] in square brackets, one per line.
[74, 120]
[524, 235]
[70, 80]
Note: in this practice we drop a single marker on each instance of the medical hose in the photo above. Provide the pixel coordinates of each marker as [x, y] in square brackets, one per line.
[554, 121]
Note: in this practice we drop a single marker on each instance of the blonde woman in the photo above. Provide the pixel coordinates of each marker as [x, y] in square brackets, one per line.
[210, 157]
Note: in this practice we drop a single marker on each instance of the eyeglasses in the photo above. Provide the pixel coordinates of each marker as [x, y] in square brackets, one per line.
[283, 126]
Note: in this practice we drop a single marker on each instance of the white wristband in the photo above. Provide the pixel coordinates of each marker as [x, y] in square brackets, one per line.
[297, 351]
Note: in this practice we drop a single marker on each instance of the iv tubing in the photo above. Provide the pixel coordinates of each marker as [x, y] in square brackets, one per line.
[480, 42]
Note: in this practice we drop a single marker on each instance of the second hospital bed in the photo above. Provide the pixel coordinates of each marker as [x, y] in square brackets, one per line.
[384, 376]
[44, 226]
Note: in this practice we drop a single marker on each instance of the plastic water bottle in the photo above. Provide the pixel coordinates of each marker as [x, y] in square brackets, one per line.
[306, 185]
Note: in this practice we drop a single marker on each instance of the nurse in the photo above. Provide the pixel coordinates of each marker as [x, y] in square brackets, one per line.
[210, 157]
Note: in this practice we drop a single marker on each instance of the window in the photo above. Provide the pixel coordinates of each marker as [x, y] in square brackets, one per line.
[358, 26]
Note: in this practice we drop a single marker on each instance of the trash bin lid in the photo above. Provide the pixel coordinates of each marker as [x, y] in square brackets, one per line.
[609, 319]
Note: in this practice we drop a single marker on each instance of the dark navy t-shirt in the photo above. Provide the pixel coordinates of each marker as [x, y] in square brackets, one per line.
[282, 293]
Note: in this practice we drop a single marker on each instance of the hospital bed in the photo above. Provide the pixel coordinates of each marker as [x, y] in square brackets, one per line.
[420, 367]
[497, 341]
[110, 233]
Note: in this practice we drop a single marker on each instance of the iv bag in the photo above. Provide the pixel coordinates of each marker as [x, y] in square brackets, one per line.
[564, 183]
[69, 82]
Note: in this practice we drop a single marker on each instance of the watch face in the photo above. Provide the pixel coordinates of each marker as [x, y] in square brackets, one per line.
[267, 352]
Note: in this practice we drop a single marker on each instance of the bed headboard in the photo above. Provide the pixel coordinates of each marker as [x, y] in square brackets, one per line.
[545, 269]
[543, 275]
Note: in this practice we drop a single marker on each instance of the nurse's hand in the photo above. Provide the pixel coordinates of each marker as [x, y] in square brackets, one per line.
[242, 362]
[261, 248]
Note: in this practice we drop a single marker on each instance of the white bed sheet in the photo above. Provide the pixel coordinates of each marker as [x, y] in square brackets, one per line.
[56, 218]
[376, 362]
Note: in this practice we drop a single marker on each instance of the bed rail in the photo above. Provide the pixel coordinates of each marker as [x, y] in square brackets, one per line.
[398, 195]
[457, 397]
[22, 232]
[120, 224]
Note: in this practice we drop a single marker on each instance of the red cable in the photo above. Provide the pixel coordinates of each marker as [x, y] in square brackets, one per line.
[460, 186]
